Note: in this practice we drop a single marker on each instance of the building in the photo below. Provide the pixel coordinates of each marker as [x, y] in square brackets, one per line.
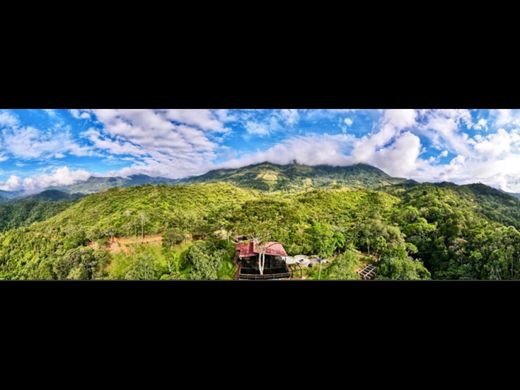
[261, 261]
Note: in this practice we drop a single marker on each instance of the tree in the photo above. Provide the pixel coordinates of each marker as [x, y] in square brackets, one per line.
[142, 219]
[396, 264]
[172, 237]
[204, 266]
[144, 267]
[324, 240]
[344, 266]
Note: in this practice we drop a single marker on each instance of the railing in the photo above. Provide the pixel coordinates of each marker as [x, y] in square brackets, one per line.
[284, 275]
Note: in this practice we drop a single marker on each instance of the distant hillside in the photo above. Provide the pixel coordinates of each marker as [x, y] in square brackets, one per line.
[34, 208]
[272, 177]
[8, 195]
[489, 202]
[99, 184]
[53, 195]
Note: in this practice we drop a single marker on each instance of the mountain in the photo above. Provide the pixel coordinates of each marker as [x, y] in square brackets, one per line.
[98, 184]
[53, 195]
[8, 195]
[34, 208]
[273, 177]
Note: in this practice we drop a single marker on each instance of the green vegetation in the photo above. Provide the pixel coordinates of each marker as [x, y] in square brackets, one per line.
[273, 177]
[410, 231]
[31, 209]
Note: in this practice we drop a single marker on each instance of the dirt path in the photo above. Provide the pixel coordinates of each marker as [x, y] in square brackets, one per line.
[124, 244]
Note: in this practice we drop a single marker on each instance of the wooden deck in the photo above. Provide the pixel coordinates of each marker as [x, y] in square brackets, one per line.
[368, 273]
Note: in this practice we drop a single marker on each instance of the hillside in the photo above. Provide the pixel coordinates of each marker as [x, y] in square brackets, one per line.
[272, 177]
[5, 196]
[417, 231]
[354, 214]
[98, 184]
[25, 211]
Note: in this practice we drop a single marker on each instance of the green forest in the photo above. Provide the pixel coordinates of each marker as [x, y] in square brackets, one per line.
[351, 216]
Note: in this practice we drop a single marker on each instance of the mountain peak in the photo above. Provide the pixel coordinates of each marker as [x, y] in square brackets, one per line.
[269, 176]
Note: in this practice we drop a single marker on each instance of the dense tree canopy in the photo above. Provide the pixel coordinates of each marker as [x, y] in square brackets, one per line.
[410, 230]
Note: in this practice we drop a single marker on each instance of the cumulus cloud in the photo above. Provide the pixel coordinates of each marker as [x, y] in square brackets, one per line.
[390, 126]
[482, 124]
[203, 119]
[348, 122]
[111, 146]
[79, 114]
[31, 143]
[59, 177]
[400, 158]
[442, 127]
[256, 128]
[8, 120]
[290, 116]
[164, 147]
[506, 117]
[14, 183]
[310, 150]
[265, 122]
[497, 145]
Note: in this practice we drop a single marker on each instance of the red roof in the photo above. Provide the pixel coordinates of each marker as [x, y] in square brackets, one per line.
[250, 249]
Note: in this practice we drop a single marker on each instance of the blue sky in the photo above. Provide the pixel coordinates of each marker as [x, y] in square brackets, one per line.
[41, 148]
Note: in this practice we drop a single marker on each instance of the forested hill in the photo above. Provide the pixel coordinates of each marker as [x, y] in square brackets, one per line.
[8, 195]
[34, 208]
[442, 231]
[272, 177]
[98, 184]
[353, 214]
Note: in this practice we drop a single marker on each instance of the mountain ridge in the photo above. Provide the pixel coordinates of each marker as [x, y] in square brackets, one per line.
[275, 177]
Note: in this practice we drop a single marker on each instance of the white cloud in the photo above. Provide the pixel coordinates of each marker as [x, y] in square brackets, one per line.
[444, 153]
[31, 143]
[506, 117]
[14, 183]
[348, 122]
[112, 146]
[60, 176]
[52, 113]
[391, 124]
[79, 114]
[482, 124]
[290, 116]
[497, 144]
[3, 157]
[400, 158]
[310, 150]
[203, 119]
[256, 128]
[164, 148]
[442, 127]
[8, 120]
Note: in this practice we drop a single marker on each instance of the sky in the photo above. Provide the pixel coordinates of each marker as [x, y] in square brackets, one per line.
[43, 148]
